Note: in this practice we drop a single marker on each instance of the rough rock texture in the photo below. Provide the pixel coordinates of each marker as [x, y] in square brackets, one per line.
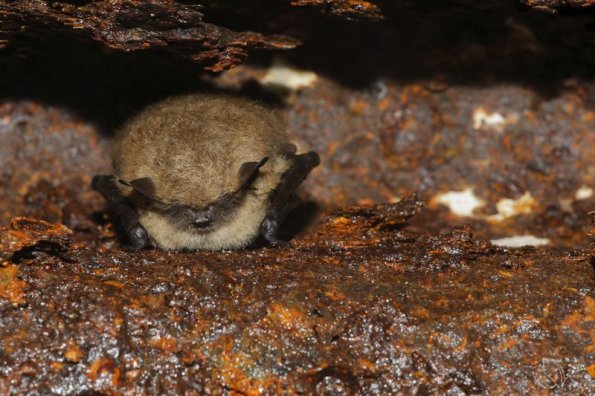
[127, 25]
[553, 6]
[536, 154]
[351, 9]
[359, 306]
[178, 27]
[47, 159]
[26, 233]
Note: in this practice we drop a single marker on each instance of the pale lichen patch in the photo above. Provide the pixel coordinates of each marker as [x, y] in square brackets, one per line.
[461, 203]
[508, 207]
[283, 75]
[584, 192]
[485, 120]
[520, 241]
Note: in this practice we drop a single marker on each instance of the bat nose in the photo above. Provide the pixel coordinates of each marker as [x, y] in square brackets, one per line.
[201, 220]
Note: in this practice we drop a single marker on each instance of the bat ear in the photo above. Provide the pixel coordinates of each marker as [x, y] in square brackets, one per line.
[144, 186]
[249, 171]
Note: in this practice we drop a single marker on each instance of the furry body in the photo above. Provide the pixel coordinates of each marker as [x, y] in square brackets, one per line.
[198, 155]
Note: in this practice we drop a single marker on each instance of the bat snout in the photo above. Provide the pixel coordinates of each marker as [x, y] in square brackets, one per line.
[202, 220]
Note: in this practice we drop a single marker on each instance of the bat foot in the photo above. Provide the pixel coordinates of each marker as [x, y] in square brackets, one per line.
[269, 229]
[311, 159]
[138, 238]
[123, 211]
[284, 200]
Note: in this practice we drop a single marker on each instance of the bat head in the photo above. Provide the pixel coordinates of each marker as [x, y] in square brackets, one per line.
[203, 219]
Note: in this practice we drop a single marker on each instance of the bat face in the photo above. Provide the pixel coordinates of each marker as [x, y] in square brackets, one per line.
[198, 219]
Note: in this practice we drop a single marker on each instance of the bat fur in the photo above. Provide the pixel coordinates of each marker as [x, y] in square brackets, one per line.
[200, 170]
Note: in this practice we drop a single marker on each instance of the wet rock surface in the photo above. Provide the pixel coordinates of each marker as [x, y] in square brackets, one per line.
[47, 159]
[359, 305]
[172, 26]
[351, 9]
[552, 6]
[30, 234]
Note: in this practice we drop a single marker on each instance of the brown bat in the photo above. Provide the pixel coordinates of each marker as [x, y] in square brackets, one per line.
[203, 172]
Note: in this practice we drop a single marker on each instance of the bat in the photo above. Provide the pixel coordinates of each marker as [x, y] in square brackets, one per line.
[203, 172]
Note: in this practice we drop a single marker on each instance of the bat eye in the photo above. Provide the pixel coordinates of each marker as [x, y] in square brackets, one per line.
[201, 220]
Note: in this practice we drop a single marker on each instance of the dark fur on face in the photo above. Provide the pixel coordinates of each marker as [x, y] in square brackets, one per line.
[199, 219]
